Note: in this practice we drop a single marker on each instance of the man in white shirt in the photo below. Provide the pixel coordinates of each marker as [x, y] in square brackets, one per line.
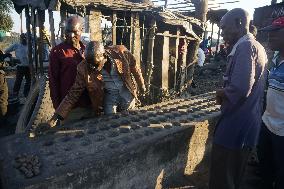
[23, 69]
[271, 143]
[201, 57]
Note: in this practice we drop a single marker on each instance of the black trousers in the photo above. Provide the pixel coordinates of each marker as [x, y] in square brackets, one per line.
[22, 71]
[271, 159]
[227, 167]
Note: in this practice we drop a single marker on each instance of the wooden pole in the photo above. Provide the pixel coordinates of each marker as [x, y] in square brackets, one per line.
[21, 18]
[212, 31]
[150, 57]
[95, 26]
[35, 52]
[63, 17]
[41, 17]
[218, 41]
[114, 21]
[135, 42]
[28, 28]
[52, 30]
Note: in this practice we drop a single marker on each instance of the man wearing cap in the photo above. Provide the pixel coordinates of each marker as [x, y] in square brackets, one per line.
[23, 69]
[241, 102]
[107, 75]
[271, 143]
[63, 61]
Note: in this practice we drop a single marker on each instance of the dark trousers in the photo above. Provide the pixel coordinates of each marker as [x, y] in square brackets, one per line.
[22, 71]
[227, 167]
[271, 159]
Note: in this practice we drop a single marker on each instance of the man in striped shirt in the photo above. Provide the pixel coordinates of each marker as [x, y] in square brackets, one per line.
[271, 143]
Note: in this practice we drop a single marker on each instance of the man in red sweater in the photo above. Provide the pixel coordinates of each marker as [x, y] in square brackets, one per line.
[63, 61]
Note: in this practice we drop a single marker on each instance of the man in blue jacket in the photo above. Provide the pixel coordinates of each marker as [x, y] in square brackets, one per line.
[241, 102]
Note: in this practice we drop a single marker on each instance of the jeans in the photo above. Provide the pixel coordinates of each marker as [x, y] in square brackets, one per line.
[113, 102]
[271, 159]
[21, 72]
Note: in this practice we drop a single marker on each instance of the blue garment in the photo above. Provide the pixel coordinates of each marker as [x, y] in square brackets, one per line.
[117, 94]
[244, 82]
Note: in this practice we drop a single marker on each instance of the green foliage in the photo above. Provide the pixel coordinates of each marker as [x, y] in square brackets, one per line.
[6, 22]
[5, 5]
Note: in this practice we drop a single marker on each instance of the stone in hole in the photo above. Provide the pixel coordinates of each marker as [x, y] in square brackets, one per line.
[202, 114]
[99, 137]
[173, 109]
[144, 123]
[113, 144]
[80, 125]
[151, 114]
[113, 124]
[184, 121]
[138, 135]
[195, 109]
[113, 133]
[67, 148]
[92, 131]
[153, 120]
[125, 128]
[48, 143]
[170, 115]
[162, 118]
[176, 113]
[190, 111]
[124, 122]
[60, 163]
[85, 143]
[103, 127]
[135, 126]
[65, 139]
[126, 140]
[148, 132]
[168, 125]
[135, 119]
[79, 134]
[151, 109]
[196, 116]
[143, 116]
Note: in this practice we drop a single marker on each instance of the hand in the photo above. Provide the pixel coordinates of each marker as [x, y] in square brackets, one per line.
[220, 95]
[218, 100]
[53, 121]
[143, 90]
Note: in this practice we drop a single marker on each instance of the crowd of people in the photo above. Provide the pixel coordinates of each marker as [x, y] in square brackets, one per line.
[91, 80]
